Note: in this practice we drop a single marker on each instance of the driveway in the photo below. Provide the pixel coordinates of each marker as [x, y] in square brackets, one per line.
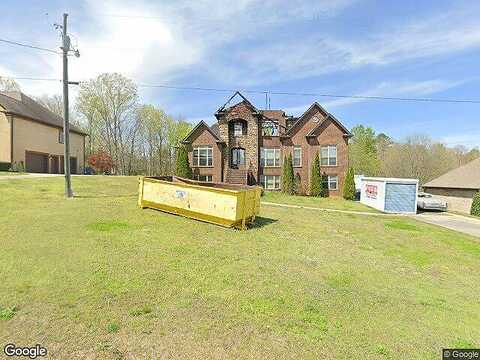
[455, 222]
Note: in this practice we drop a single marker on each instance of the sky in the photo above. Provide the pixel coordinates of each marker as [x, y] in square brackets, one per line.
[423, 49]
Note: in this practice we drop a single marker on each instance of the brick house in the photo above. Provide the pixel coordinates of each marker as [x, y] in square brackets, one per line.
[248, 145]
[31, 137]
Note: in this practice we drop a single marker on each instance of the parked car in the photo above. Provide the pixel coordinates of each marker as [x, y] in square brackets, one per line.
[427, 201]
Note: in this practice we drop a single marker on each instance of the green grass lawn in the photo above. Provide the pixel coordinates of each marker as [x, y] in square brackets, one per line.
[10, 173]
[96, 277]
[325, 203]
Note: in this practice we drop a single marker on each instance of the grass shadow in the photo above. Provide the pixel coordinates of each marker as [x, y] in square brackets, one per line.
[262, 221]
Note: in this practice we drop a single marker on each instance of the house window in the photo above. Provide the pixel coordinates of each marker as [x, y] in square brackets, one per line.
[238, 157]
[329, 155]
[332, 182]
[270, 128]
[270, 182]
[297, 156]
[61, 137]
[270, 157]
[207, 178]
[202, 156]
[237, 128]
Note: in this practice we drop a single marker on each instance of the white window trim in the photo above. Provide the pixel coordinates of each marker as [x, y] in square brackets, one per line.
[263, 158]
[329, 180]
[264, 182]
[235, 124]
[197, 177]
[301, 156]
[197, 149]
[328, 155]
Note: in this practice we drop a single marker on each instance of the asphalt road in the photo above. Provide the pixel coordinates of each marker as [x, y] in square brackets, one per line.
[455, 222]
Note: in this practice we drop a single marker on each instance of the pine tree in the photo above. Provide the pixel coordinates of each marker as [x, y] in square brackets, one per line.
[349, 186]
[476, 205]
[288, 178]
[324, 185]
[316, 178]
[183, 168]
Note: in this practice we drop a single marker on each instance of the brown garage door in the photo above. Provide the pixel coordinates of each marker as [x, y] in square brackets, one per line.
[36, 163]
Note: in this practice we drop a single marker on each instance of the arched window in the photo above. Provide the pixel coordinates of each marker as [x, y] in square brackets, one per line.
[238, 157]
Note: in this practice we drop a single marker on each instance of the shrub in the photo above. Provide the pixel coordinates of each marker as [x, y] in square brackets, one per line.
[4, 166]
[101, 161]
[349, 186]
[183, 168]
[316, 187]
[324, 192]
[475, 210]
[288, 178]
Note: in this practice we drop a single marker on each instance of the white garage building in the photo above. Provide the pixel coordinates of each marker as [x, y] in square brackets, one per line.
[392, 195]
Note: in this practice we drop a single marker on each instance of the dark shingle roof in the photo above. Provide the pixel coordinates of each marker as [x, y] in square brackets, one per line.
[17, 103]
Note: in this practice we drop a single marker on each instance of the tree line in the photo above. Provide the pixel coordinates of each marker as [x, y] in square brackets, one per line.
[126, 137]
[417, 156]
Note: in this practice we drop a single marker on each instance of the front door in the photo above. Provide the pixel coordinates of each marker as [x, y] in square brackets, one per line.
[238, 158]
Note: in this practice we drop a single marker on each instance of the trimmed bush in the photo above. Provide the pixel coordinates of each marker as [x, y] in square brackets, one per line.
[5, 166]
[475, 210]
[349, 186]
[325, 191]
[183, 168]
[288, 178]
[316, 187]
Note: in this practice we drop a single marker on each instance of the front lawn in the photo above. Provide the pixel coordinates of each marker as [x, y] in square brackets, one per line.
[10, 173]
[336, 203]
[96, 277]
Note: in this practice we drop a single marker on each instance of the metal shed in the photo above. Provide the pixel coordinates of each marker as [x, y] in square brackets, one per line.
[392, 195]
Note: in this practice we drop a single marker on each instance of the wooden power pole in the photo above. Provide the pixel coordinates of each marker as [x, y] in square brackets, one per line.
[66, 125]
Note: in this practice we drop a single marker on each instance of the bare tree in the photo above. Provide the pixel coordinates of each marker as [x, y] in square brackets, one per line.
[8, 84]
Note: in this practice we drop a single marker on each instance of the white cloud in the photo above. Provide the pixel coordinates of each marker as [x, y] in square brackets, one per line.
[325, 53]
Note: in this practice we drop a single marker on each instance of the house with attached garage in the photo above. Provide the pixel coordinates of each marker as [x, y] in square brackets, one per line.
[31, 137]
[248, 145]
[457, 187]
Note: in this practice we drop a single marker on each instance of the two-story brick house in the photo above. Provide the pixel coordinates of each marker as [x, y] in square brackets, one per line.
[248, 145]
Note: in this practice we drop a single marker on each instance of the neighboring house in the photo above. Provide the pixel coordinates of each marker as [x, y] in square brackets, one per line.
[31, 137]
[458, 186]
[248, 145]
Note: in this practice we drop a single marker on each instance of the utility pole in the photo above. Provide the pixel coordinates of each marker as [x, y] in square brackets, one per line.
[66, 125]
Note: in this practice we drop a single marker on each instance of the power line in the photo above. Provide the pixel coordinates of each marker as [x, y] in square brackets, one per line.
[29, 46]
[272, 92]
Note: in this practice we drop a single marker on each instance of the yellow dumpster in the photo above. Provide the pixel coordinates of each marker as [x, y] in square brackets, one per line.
[218, 203]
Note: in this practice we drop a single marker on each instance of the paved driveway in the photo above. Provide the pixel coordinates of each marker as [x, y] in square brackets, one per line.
[459, 223]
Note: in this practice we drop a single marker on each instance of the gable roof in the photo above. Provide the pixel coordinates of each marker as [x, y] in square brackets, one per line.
[223, 108]
[317, 106]
[330, 117]
[200, 125]
[463, 177]
[17, 103]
